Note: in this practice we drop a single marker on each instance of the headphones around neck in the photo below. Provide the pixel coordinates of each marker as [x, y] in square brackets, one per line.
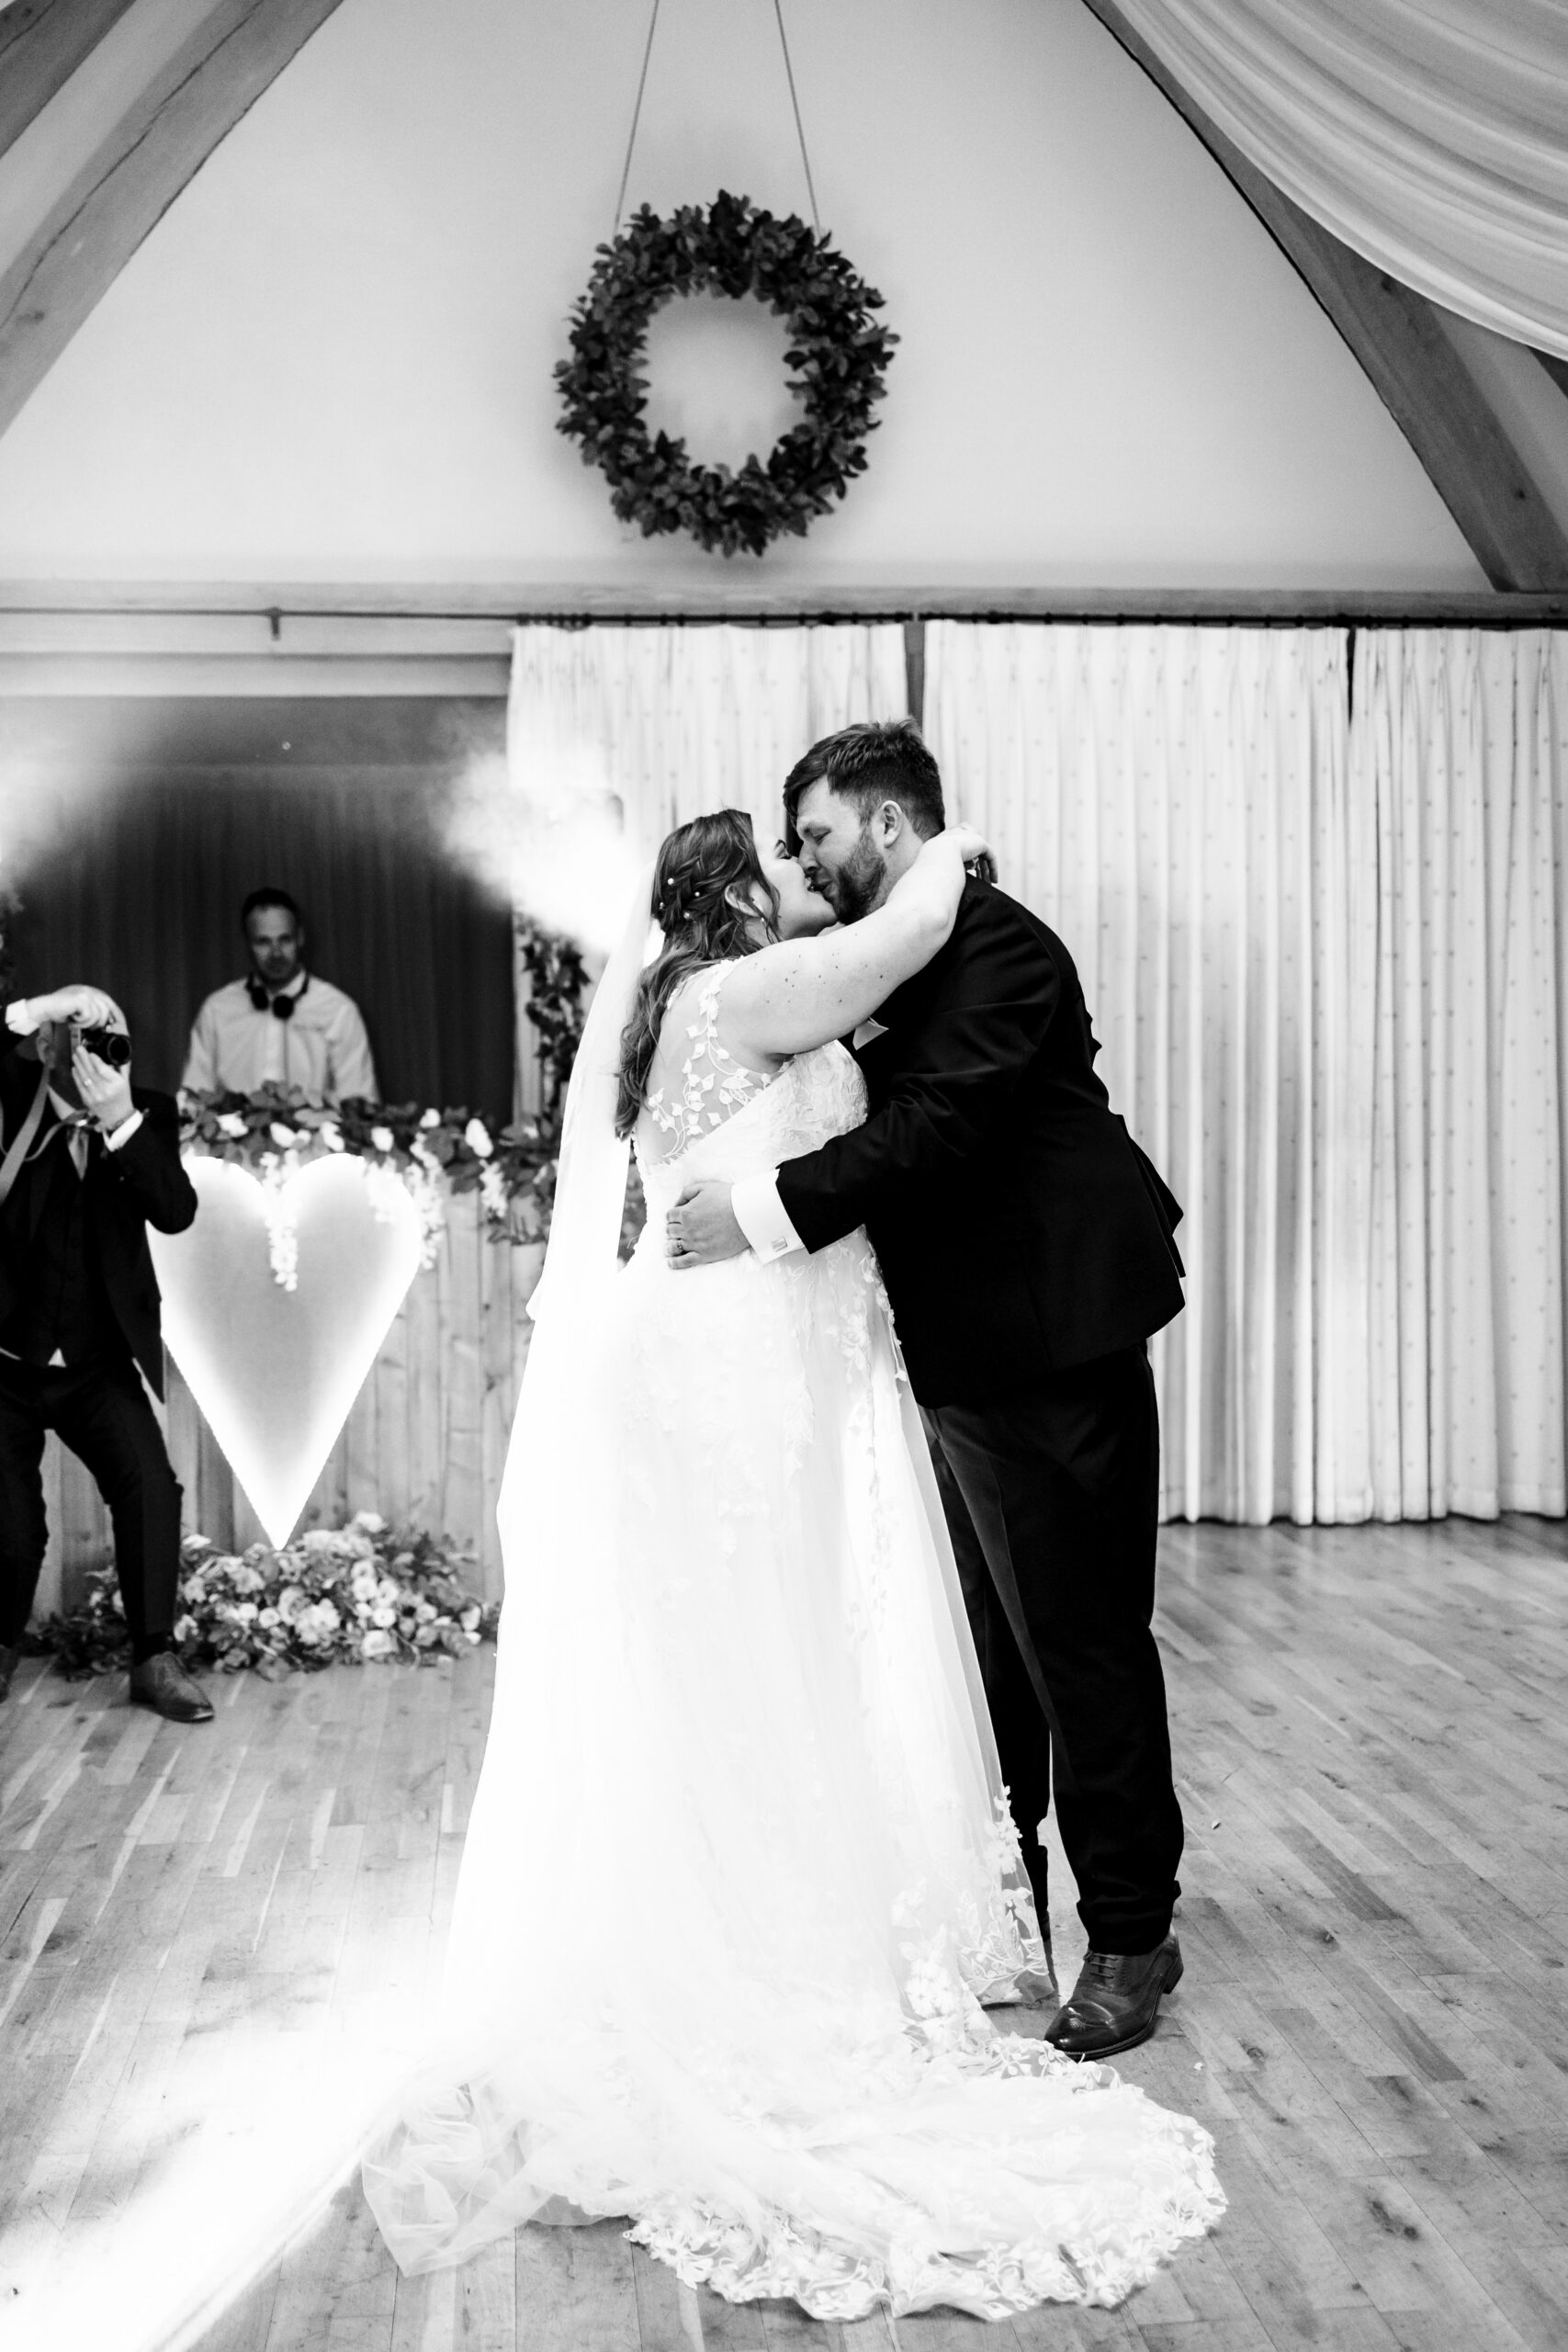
[261, 997]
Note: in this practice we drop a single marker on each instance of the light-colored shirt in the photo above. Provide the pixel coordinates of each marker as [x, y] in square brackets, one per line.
[759, 1214]
[322, 1047]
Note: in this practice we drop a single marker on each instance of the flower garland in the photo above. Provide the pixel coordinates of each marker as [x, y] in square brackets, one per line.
[354, 1595]
[428, 1153]
[839, 351]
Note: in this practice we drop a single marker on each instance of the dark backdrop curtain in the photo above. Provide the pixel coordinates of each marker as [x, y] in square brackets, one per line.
[137, 877]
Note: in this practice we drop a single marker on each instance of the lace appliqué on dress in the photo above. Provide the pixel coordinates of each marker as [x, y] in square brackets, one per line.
[713, 1085]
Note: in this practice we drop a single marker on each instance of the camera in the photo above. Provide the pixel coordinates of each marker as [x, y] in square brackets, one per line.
[109, 1044]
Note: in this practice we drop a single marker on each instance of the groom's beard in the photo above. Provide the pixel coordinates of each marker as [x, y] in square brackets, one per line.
[854, 889]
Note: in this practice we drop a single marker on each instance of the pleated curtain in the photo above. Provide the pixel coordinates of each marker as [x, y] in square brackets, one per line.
[615, 734]
[1322, 935]
[675, 721]
[1458, 770]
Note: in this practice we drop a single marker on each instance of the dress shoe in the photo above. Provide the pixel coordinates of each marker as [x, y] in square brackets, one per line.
[9, 1661]
[1116, 2000]
[161, 1683]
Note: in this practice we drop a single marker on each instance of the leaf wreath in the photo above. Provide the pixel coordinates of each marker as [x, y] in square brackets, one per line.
[837, 351]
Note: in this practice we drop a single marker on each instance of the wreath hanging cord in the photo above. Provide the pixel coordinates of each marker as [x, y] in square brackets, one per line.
[838, 354]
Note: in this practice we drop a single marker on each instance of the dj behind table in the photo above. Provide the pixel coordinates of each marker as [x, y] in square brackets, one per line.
[282, 1023]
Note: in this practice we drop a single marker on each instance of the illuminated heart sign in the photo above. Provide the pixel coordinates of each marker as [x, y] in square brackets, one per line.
[275, 1371]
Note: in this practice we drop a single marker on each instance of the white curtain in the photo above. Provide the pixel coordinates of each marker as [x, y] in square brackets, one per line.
[1430, 135]
[615, 734]
[1171, 802]
[675, 721]
[1459, 767]
[1327, 959]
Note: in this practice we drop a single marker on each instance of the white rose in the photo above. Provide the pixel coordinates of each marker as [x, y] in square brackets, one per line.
[328, 1135]
[430, 1118]
[364, 1583]
[382, 1614]
[425, 1613]
[476, 1134]
[289, 1602]
[285, 1136]
[231, 1123]
[370, 1521]
[317, 1539]
[382, 1137]
[376, 1644]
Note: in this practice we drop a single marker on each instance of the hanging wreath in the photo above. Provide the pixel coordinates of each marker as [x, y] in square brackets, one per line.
[837, 350]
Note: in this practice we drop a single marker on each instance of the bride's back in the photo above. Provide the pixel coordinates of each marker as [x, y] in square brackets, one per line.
[694, 1083]
[706, 1112]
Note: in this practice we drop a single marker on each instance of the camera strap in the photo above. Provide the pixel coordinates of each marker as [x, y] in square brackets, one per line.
[11, 1166]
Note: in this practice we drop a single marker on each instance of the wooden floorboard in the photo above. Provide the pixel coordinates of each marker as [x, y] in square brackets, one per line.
[1369, 1733]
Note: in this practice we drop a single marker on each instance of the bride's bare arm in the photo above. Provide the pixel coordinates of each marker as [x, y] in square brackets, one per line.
[788, 997]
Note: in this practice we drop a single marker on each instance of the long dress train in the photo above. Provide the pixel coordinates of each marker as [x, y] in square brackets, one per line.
[739, 1868]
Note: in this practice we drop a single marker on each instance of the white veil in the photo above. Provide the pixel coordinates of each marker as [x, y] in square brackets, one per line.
[581, 1259]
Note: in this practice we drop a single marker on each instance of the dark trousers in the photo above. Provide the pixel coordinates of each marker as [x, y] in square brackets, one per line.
[1052, 1496]
[100, 1410]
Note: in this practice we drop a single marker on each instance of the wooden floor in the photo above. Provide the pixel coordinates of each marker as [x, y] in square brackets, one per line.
[1370, 1732]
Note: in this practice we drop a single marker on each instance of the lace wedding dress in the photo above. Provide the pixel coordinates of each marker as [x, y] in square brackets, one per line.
[740, 1868]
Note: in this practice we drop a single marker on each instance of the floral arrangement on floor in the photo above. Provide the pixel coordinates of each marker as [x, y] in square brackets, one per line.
[346, 1595]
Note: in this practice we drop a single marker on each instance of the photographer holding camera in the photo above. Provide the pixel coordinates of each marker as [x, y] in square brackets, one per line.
[86, 1162]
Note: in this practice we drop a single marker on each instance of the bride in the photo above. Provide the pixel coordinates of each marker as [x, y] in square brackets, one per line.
[740, 1871]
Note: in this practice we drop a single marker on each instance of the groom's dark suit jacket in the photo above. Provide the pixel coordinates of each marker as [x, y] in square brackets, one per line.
[1019, 1226]
[79, 1245]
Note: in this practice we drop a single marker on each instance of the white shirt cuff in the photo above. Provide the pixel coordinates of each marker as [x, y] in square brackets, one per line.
[124, 1132]
[19, 1019]
[760, 1214]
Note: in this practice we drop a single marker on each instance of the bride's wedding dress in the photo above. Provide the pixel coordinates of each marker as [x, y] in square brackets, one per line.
[740, 1868]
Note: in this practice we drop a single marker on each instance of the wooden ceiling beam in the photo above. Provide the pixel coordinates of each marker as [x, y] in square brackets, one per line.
[42, 44]
[1397, 336]
[161, 141]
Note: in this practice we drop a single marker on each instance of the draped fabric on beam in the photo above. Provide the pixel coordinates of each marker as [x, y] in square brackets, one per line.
[1325, 958]
[668, 723]
[1428, 134]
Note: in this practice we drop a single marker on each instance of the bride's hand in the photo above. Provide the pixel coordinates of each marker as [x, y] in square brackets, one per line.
[969, 843]
[972, 847]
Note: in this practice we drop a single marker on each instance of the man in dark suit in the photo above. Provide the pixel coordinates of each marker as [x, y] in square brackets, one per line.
[1028, 1250]
[89, 1161]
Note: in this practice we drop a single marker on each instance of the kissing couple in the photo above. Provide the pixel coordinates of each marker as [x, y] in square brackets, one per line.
[748, 1863]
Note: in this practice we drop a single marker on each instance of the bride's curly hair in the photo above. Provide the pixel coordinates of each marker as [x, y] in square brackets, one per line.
[705, 898]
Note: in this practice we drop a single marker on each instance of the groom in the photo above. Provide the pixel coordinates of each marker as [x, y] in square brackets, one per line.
[1027, 1248]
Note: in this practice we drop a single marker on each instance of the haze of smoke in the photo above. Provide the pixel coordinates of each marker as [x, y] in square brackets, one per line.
[555, 847]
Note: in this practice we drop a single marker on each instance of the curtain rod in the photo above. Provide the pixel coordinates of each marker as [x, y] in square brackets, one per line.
[1501, 611]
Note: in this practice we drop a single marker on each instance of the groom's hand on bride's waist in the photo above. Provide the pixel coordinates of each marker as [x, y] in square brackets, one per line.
[702, 1228]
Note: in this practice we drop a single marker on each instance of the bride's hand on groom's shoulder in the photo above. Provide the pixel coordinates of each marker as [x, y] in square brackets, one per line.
[973, 849]
[701, 1229]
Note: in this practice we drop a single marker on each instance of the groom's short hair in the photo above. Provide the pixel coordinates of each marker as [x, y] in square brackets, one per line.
[878, 760]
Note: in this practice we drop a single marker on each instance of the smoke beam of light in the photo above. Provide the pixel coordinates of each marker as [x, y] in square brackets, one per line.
[250, 2148]
[558, 848]
[275, 1372]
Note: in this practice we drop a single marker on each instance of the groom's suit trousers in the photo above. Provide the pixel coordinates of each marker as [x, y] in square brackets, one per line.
[1051, 1497]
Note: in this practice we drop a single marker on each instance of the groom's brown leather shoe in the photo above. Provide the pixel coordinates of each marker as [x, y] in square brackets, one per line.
[161, 1682]
[1116, 2000]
